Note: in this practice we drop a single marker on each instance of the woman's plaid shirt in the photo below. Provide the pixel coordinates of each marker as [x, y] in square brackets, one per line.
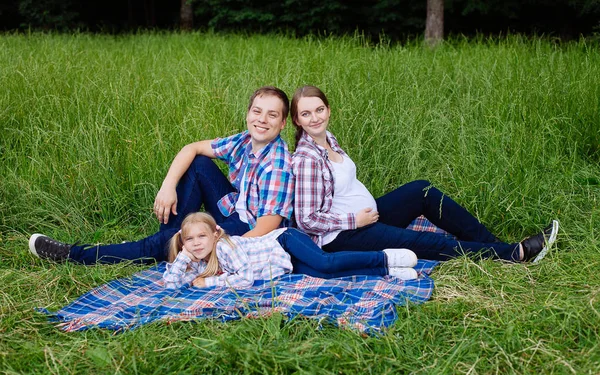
[314, 190]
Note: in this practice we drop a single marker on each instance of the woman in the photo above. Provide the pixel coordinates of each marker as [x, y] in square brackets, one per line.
[339, 213]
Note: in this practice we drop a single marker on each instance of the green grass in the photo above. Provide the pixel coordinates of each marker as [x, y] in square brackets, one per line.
[510, 128]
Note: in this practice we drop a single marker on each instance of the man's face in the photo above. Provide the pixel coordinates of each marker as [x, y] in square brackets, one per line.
[265, 120]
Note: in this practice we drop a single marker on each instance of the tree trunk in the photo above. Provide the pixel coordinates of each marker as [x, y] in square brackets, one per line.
[130, 15]
[186, 16]
[434, 25]
[149, 13]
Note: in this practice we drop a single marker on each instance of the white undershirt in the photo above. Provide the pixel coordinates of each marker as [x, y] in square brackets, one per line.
[349, 194]
[240, 205]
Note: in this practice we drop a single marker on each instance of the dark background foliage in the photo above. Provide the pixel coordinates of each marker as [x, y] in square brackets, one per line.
[396, 19]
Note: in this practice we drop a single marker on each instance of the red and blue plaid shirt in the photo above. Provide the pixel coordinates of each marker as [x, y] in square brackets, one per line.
[314, 190]
[269, 182]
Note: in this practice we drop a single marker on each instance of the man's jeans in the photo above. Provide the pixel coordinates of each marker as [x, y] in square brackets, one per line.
[203, 184]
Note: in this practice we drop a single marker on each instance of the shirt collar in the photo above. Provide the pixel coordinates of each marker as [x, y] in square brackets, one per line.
[322, 150]
[263, 151]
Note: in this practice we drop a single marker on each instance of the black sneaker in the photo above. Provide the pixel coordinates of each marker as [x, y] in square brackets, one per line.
[536, 247]
[46, 248]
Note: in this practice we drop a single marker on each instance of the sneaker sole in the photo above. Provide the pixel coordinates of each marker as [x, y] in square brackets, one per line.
[32, 243]
[409, 259]
[406, 273]
[549, 242]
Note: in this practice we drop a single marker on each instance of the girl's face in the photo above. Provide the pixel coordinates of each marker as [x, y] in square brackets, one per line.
[198, 239]
[313, 116]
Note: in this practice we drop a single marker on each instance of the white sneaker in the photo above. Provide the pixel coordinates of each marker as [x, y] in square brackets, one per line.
[400, 258]
[403, 273]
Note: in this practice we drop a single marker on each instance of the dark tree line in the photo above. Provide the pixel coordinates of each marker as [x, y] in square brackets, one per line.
[396, 19]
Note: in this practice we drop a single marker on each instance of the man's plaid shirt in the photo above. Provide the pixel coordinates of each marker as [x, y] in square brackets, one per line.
[269, 179]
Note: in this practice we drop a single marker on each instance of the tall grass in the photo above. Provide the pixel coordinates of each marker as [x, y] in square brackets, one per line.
[510, 128]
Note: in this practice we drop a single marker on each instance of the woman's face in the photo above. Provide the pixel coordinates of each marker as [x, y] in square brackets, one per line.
[313, 116]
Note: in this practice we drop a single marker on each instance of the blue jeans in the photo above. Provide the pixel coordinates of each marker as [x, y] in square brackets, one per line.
[310, 259]
[203, 184]
[400, 207]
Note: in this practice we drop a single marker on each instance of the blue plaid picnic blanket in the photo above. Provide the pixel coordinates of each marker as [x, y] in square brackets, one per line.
[365, 303]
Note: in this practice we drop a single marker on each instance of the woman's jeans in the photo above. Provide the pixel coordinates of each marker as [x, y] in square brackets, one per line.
[400, 207]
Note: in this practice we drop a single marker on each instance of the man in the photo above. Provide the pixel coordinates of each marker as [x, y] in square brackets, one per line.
[256, 199]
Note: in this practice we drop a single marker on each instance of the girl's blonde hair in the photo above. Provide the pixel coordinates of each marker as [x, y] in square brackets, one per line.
[176, 242]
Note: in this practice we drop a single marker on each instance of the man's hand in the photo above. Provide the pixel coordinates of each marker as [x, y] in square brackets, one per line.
[165, 203]
[366, 216]
[166, 199]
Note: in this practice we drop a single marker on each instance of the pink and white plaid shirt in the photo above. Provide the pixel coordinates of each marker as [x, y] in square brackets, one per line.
[252, 258]
[314, 190]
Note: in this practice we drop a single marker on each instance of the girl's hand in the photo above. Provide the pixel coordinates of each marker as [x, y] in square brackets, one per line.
[199, 282]
[366, 216]
[189, 254]
[165, 203]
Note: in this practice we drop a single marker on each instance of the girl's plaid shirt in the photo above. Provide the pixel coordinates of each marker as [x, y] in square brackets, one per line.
[252, 258]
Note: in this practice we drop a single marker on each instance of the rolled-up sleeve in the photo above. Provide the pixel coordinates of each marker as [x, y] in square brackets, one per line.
[276, 193]
[224, 147]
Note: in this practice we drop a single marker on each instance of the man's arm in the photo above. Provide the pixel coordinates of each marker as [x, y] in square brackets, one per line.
[264, 225]
[166, 199]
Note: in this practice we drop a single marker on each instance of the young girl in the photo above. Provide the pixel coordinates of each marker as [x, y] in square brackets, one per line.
[202, 254]
[337, 210]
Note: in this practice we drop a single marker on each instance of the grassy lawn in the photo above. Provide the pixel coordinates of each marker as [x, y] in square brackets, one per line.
[509, 128]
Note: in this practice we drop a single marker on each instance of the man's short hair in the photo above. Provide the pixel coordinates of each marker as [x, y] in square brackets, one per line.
[272, 91]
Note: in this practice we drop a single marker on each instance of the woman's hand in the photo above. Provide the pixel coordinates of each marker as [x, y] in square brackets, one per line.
[199, 282]
[165, 203]
[366, 216]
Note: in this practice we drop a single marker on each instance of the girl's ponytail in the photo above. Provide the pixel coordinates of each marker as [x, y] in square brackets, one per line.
[175, 246]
